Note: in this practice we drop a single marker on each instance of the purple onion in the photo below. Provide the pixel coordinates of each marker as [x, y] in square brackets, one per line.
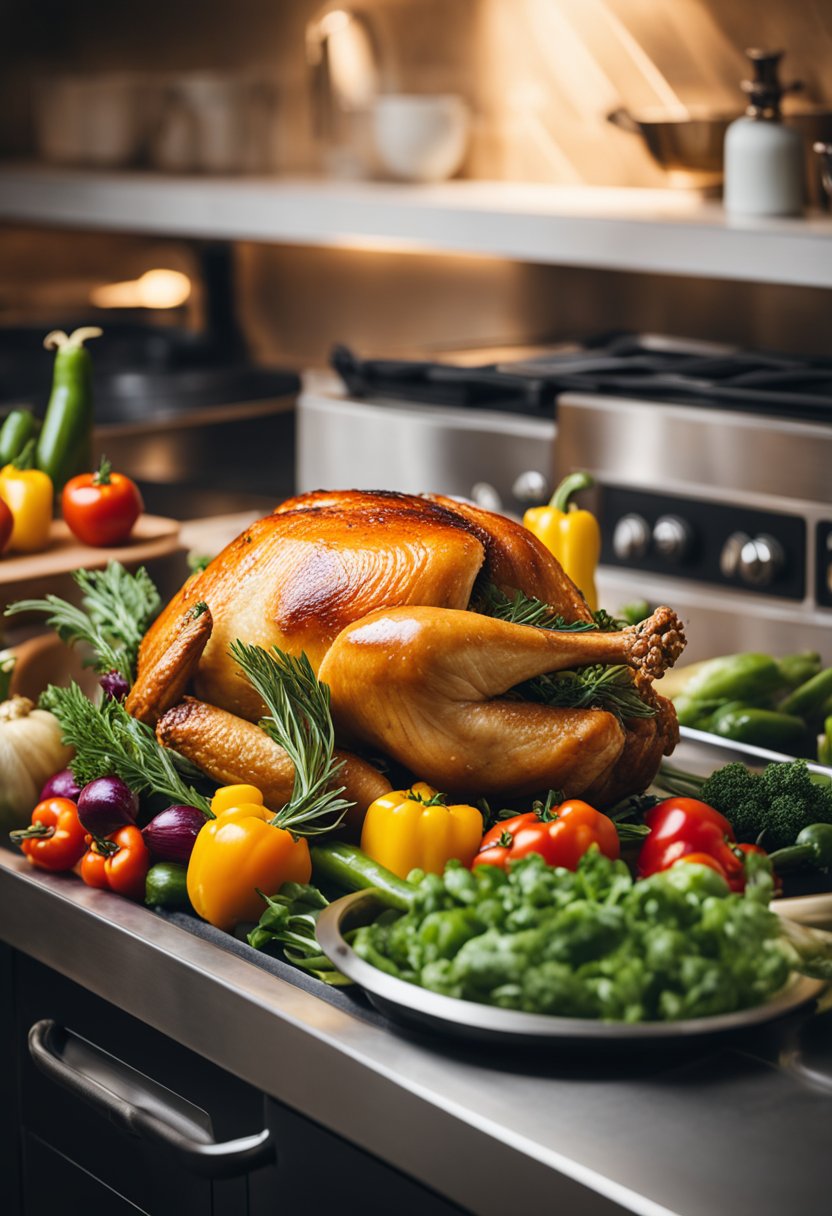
[170, 836]
[115, 686]
[62, 785]
[107, 804]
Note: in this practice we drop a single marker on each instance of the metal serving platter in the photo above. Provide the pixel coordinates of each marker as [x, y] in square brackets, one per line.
[701, 752]
[411, 1005]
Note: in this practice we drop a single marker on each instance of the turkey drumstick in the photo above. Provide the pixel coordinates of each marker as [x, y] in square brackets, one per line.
[420, 683]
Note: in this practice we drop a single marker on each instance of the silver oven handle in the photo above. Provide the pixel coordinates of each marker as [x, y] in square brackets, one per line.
[149, 1116]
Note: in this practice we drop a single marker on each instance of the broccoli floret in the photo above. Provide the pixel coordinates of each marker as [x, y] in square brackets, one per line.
[777, 803]
[729, 787]
[794, 782]
[785, 817]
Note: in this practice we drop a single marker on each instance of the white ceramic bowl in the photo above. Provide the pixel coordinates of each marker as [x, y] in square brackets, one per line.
[420, 137]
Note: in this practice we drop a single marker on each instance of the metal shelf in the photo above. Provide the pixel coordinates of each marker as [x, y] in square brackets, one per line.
[652, 231]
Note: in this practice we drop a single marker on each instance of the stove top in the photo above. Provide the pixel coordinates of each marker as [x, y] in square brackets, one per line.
[635, 366]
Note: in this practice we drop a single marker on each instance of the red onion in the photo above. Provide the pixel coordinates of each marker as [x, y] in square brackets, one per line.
[170, 836]
[62, 785]
[107, 804]
[115, 686]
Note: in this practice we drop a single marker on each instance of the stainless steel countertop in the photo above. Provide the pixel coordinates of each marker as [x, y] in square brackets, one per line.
[722, 1130]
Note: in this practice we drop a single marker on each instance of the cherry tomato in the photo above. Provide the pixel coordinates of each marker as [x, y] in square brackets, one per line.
[6, 525]
[101, 508]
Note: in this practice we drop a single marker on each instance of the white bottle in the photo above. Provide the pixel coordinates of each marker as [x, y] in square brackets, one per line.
[763, 158]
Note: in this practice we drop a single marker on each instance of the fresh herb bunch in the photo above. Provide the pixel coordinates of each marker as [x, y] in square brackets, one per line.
[300, 721]
[521, 609]
[108, 740]
[116, 611]
[288, 924]
[595, 687]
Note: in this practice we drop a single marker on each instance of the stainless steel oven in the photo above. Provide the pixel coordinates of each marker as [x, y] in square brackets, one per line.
[712, 466]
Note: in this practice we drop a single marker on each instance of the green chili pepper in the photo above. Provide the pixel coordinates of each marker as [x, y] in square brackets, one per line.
[65, 444]
[811, 696]
[797, 668]
[813, 847]
[760, 727]
[825, 744]
[745, 677]
[634, 612]
[20, 426]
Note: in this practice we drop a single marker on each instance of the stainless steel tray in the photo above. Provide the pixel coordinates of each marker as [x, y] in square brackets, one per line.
[702, 752]
[411, 1005]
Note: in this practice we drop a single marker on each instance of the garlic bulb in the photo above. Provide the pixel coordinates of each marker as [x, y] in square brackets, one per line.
[30, 752]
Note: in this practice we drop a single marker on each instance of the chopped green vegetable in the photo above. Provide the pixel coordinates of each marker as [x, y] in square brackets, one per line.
[591, 944]
[117, 610]
[107, 740]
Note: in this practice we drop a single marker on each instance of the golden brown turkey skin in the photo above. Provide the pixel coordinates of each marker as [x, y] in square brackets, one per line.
[296, 578]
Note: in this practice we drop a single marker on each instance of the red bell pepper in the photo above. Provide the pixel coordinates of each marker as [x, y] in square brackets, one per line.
[55, 840]
[682, 829]
[561, 836]
[117, 863]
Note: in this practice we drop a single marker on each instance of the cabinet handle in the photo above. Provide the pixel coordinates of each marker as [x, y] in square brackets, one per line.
[148, 1114]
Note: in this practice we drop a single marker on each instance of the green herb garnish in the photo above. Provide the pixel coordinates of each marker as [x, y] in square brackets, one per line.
[107, 740]
[300, 721]
[116, 611]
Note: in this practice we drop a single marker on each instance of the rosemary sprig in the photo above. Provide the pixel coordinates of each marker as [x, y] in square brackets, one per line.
[300, 722]
[595, 687]
[521, 609]
[116, 610]
[107, 740]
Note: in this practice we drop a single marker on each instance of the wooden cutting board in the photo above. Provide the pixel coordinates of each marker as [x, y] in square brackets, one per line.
[30, 575]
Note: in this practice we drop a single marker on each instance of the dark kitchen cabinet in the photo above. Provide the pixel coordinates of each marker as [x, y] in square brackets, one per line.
[59, 1153]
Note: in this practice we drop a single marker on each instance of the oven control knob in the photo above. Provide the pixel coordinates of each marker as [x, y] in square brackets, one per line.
[483, 494]
[729, 558]
[672, 537]
[532, 487]
[631, 538]
[761, 560]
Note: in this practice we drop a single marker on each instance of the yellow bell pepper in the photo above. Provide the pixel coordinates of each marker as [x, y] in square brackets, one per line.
[573, 536]
[29, 495]
[238, 853]
[414, 829]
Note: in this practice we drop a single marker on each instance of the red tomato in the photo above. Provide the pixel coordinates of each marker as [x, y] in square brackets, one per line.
[6, 525]
[101, 508]
[561, 837]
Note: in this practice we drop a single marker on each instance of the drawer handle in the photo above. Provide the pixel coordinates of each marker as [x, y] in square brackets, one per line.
[149, 1116]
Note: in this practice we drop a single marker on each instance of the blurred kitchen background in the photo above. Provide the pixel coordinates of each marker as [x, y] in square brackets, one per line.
[231, 190]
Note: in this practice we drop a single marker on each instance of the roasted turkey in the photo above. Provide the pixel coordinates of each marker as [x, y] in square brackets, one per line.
[376, 589]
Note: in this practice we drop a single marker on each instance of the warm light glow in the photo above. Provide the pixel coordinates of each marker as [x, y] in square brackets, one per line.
[334, 22]
[154, 289]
